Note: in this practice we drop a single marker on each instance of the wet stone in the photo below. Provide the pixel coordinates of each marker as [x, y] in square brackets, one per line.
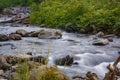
[65, 61]
[4, 37]
[101, 42]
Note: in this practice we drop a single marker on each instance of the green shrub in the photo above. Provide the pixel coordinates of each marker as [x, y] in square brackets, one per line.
[91, 15]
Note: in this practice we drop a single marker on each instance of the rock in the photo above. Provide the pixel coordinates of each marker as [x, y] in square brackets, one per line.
[47, 73]
[109, 36]
[83, 31]
[3, 62]
[36, 33]
[29, 53]
[6, 61]
[22, 32]
[100, 34]
[65, 61]
[50, 34]
[101, 42]
[6, 74]
[7, 11]
[22, 69]
[15, 37]
[4, 37]
[29, 34]
[110, 39]
[25, 20]
[15, 25]
[1, 72]
[75, 63]
[30, 65]
[39, 59]
[43, 25]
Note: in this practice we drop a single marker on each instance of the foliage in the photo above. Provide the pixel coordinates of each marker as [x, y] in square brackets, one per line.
[9, 3]
[91, 15]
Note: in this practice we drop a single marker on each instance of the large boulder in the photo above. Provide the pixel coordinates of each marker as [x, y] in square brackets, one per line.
[65, 61]
[4, 37]
[50, 34]
[45, 72]
[22, 32]
[15, 36]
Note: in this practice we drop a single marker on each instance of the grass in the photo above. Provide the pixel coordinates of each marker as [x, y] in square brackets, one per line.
[35, 71]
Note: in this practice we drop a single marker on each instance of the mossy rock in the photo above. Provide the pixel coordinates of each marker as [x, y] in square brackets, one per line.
[45, 72]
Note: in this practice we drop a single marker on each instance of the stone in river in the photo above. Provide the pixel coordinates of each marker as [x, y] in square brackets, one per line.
[101, 42]
[22, 32]
[65, 61]
[15, 36]
[4, 37]
[50, 34]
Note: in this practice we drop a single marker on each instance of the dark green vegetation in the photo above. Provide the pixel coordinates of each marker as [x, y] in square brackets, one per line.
[85, 16]
[9, 3]
[74, 15]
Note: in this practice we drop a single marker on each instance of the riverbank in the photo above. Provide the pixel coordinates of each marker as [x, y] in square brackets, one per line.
[82, 16]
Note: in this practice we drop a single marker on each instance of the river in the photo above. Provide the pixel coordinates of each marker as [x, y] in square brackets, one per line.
[90, 58]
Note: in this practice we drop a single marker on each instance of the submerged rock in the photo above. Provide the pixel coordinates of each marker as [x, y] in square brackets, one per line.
[65, 61]
[101, 42]
[47, 73]
[4, 37]
[15, 37]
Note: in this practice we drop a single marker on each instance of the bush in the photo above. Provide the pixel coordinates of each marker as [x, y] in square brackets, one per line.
[73, 15]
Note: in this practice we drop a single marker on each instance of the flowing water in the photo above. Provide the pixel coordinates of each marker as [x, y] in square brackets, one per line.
[90, 57]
